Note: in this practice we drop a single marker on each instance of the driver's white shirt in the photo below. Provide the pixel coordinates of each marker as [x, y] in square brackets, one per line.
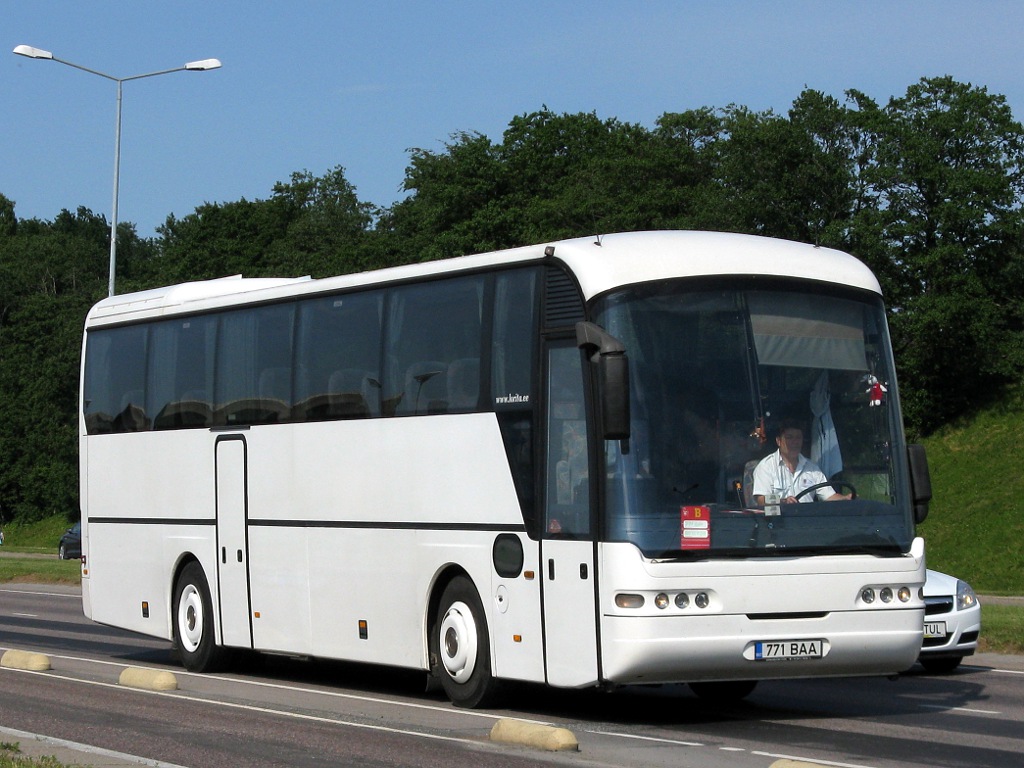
[771, 475]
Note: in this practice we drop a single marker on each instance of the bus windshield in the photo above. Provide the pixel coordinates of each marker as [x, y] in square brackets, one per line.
[717, 373]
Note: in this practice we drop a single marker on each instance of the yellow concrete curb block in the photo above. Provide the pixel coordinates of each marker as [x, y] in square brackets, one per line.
[34, 662]
[148, 679]
[547, 737]
[787, 763]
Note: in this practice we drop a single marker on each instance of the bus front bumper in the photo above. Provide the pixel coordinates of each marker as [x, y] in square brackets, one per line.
[681, 649]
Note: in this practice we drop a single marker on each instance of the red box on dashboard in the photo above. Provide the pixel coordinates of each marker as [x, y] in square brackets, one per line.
[694, 527]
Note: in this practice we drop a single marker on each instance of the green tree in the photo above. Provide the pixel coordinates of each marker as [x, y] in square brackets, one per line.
[50, 274]
[948, 172]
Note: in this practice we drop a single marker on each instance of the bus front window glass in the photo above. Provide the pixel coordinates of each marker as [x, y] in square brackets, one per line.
[714, 375]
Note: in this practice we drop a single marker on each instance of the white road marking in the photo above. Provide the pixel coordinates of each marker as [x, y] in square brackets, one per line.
[261, 710]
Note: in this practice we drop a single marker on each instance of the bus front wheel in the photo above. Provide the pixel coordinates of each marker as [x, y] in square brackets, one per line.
[460, 646]
[193, 621]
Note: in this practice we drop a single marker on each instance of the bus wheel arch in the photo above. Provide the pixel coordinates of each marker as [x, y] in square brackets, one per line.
[459, 642]
[193, 627]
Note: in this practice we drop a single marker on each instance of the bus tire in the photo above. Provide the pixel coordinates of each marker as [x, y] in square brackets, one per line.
[194, 638]
[460, 644]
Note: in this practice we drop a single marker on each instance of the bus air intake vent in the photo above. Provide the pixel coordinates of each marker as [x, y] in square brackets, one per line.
[562, 303]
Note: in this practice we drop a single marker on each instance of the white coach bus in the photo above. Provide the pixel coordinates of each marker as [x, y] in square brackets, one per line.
[534, 465]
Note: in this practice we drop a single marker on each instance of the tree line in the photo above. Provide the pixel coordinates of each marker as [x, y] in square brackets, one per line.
[926, 189]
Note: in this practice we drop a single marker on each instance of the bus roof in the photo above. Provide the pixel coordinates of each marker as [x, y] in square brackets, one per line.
[599, 263]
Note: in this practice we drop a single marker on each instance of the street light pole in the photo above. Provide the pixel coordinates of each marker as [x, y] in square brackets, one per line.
[194, 66]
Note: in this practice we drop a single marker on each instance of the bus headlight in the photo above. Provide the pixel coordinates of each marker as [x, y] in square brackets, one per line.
[701, 600]
[886, 594]
[682, 600]
[661, 600]
[867, 595]
[904, 594]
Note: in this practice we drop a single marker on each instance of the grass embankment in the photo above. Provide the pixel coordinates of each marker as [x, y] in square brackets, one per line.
[974, 530]
[976, 524]
[27, 543]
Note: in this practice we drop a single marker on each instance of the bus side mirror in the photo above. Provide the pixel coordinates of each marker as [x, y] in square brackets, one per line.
[920, 481]
[612, 376]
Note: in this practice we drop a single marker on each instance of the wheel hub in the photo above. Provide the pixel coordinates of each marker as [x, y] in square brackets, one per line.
[458, 642]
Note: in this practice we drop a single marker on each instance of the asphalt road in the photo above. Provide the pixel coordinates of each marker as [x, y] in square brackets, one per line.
[277, 711]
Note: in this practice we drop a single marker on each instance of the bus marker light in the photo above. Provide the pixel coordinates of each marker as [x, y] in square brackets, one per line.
[363, 632]
[255, 614]
[529, 575]
[625, 600]
[517, 638]
[145, 609]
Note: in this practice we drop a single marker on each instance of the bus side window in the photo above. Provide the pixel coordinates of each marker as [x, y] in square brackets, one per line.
[568, 497]
[431, 329]
[180, 378]
[513, 376]
[338, 357]
[115, 371]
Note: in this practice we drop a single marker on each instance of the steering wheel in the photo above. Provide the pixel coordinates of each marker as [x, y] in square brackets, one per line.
[834, 484]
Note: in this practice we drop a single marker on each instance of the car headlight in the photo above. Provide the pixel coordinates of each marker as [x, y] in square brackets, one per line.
[965, 597]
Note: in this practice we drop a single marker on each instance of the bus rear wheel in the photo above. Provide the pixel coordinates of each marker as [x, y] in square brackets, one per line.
[460, 647]
[193, 621]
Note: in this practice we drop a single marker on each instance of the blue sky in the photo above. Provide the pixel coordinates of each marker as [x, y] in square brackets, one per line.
[312, 85]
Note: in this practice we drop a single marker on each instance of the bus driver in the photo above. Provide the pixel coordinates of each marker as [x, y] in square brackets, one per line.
[787, 472]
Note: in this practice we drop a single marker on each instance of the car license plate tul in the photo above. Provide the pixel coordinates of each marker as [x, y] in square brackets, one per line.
[934, 629]
[785, 650]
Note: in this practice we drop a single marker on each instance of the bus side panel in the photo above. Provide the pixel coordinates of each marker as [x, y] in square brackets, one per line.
[142, 516]
[516, 626]
[350, 523]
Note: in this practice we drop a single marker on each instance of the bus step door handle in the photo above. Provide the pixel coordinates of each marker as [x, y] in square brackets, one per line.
[551, 569]
[583, 571]
[239, 555]
[223, 554]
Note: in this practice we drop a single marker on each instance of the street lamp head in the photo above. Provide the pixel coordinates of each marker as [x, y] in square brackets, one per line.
[32, 53]
[204, 64]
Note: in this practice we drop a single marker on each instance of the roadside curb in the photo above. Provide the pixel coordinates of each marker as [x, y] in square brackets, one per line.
[547, 737]
[788, 763]
[148, 679]
[32, 662]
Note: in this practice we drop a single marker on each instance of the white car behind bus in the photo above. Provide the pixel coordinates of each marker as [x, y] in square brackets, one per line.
[952, 622]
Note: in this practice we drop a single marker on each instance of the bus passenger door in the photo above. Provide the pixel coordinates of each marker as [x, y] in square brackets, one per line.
[232, 541]
[567, 550]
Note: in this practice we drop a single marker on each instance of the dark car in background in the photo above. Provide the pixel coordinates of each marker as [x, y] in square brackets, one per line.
[70, 545]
